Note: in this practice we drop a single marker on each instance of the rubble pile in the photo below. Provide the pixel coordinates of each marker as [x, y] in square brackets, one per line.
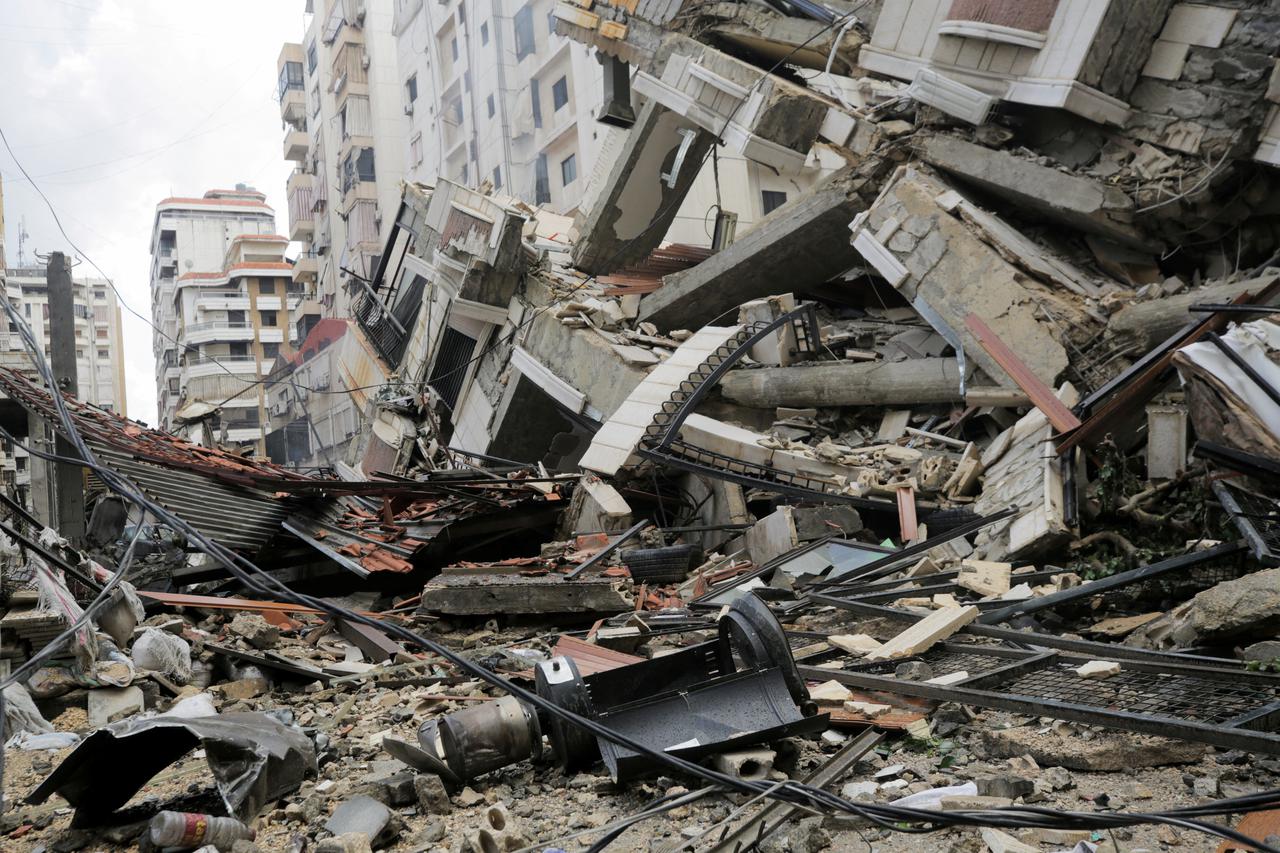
[946, 498]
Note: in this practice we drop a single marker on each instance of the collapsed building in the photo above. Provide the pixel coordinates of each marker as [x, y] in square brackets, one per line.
[974, 444]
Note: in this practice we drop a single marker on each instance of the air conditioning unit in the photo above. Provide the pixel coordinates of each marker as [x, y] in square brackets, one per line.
[408, 109]
[364, 61]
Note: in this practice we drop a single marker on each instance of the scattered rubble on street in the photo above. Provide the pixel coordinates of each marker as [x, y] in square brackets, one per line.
[951, 489]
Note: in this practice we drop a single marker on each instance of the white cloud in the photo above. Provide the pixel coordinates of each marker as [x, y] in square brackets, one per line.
[114, 105]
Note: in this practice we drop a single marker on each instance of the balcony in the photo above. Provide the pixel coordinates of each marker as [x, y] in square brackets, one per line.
[296, 146]
[221, 300]
[269, 303]
[218, 330]
[301, 218]
[239, 365]
[306, 267]
[293, 105]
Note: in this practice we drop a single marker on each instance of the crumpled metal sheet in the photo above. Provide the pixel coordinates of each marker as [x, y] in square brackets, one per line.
[254, 758]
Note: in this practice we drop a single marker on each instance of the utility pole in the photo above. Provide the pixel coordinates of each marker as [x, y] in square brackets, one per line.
[69, 479]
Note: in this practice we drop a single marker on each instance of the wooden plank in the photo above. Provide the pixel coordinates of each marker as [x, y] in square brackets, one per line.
[1062, 418]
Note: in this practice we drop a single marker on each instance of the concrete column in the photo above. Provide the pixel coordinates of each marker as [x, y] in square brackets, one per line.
[68, 479]
[633, 209]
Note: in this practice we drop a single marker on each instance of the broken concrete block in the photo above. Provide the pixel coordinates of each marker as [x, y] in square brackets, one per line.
[926, 566]
[854, 644]
[254, 630]
[949, 678]
[364, 816]
[1098, 669]
[432, 796]
[893, 425]
[1002, 842]
[870, 710]
[960, 269]
[108, 704]
[749, 764]
[830, 692]
[984, 577]
[921, 636]
[352, 842]
[859, 790]
[944, 599]
[1021, 592]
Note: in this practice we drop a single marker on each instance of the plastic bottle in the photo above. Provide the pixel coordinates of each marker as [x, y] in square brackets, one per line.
[185, 829]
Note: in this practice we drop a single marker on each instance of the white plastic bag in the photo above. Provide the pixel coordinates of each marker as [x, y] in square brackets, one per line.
[162, 652]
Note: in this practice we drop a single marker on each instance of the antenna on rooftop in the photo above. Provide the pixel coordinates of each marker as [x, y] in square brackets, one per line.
[22, 241]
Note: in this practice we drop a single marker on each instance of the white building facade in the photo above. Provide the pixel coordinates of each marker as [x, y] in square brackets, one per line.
[346, 132]
[190, 240]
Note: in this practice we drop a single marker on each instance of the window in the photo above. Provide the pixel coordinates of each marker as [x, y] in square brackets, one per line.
[100, 295]
[541, 181]
[497, 177]
[79, 353]
[415, 149]
[453, 47]
[311, 58]
[536, 101]
[268, 317]
[560, 93]
[462, 174]
[270, 350]
[101, 334]
[484, 33]
[27, 308]
[489, 103]
[411, 88]
[290, 78]
[525, 44]
[771, 200]
[266, 286]
[569, 170]
[462, 14]
[103, 353]
[238, 348]
[235, 318]
[466, 81]
[551, 21]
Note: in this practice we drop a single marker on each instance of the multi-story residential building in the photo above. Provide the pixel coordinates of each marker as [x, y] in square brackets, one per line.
[100, 376]
[192, 236]
[346, 131]
[494, 95]
[232, 325]
[98, 331]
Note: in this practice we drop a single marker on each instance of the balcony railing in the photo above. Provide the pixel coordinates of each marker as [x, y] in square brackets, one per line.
[215, 325]
[225, 360]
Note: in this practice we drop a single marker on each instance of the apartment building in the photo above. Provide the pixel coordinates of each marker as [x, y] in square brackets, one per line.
[100, 376]
[232, 325]
[192, 236]
[345, 131]
[494, 95]
[99, 341]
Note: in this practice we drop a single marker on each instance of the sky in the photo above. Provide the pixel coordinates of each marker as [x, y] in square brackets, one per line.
[113, 105]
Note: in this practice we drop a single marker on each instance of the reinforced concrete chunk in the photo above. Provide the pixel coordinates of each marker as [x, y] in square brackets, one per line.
[1098, 669]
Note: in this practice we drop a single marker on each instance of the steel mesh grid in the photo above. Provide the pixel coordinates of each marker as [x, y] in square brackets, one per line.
[1263, 514]
[941, 661]
[1179, 696]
